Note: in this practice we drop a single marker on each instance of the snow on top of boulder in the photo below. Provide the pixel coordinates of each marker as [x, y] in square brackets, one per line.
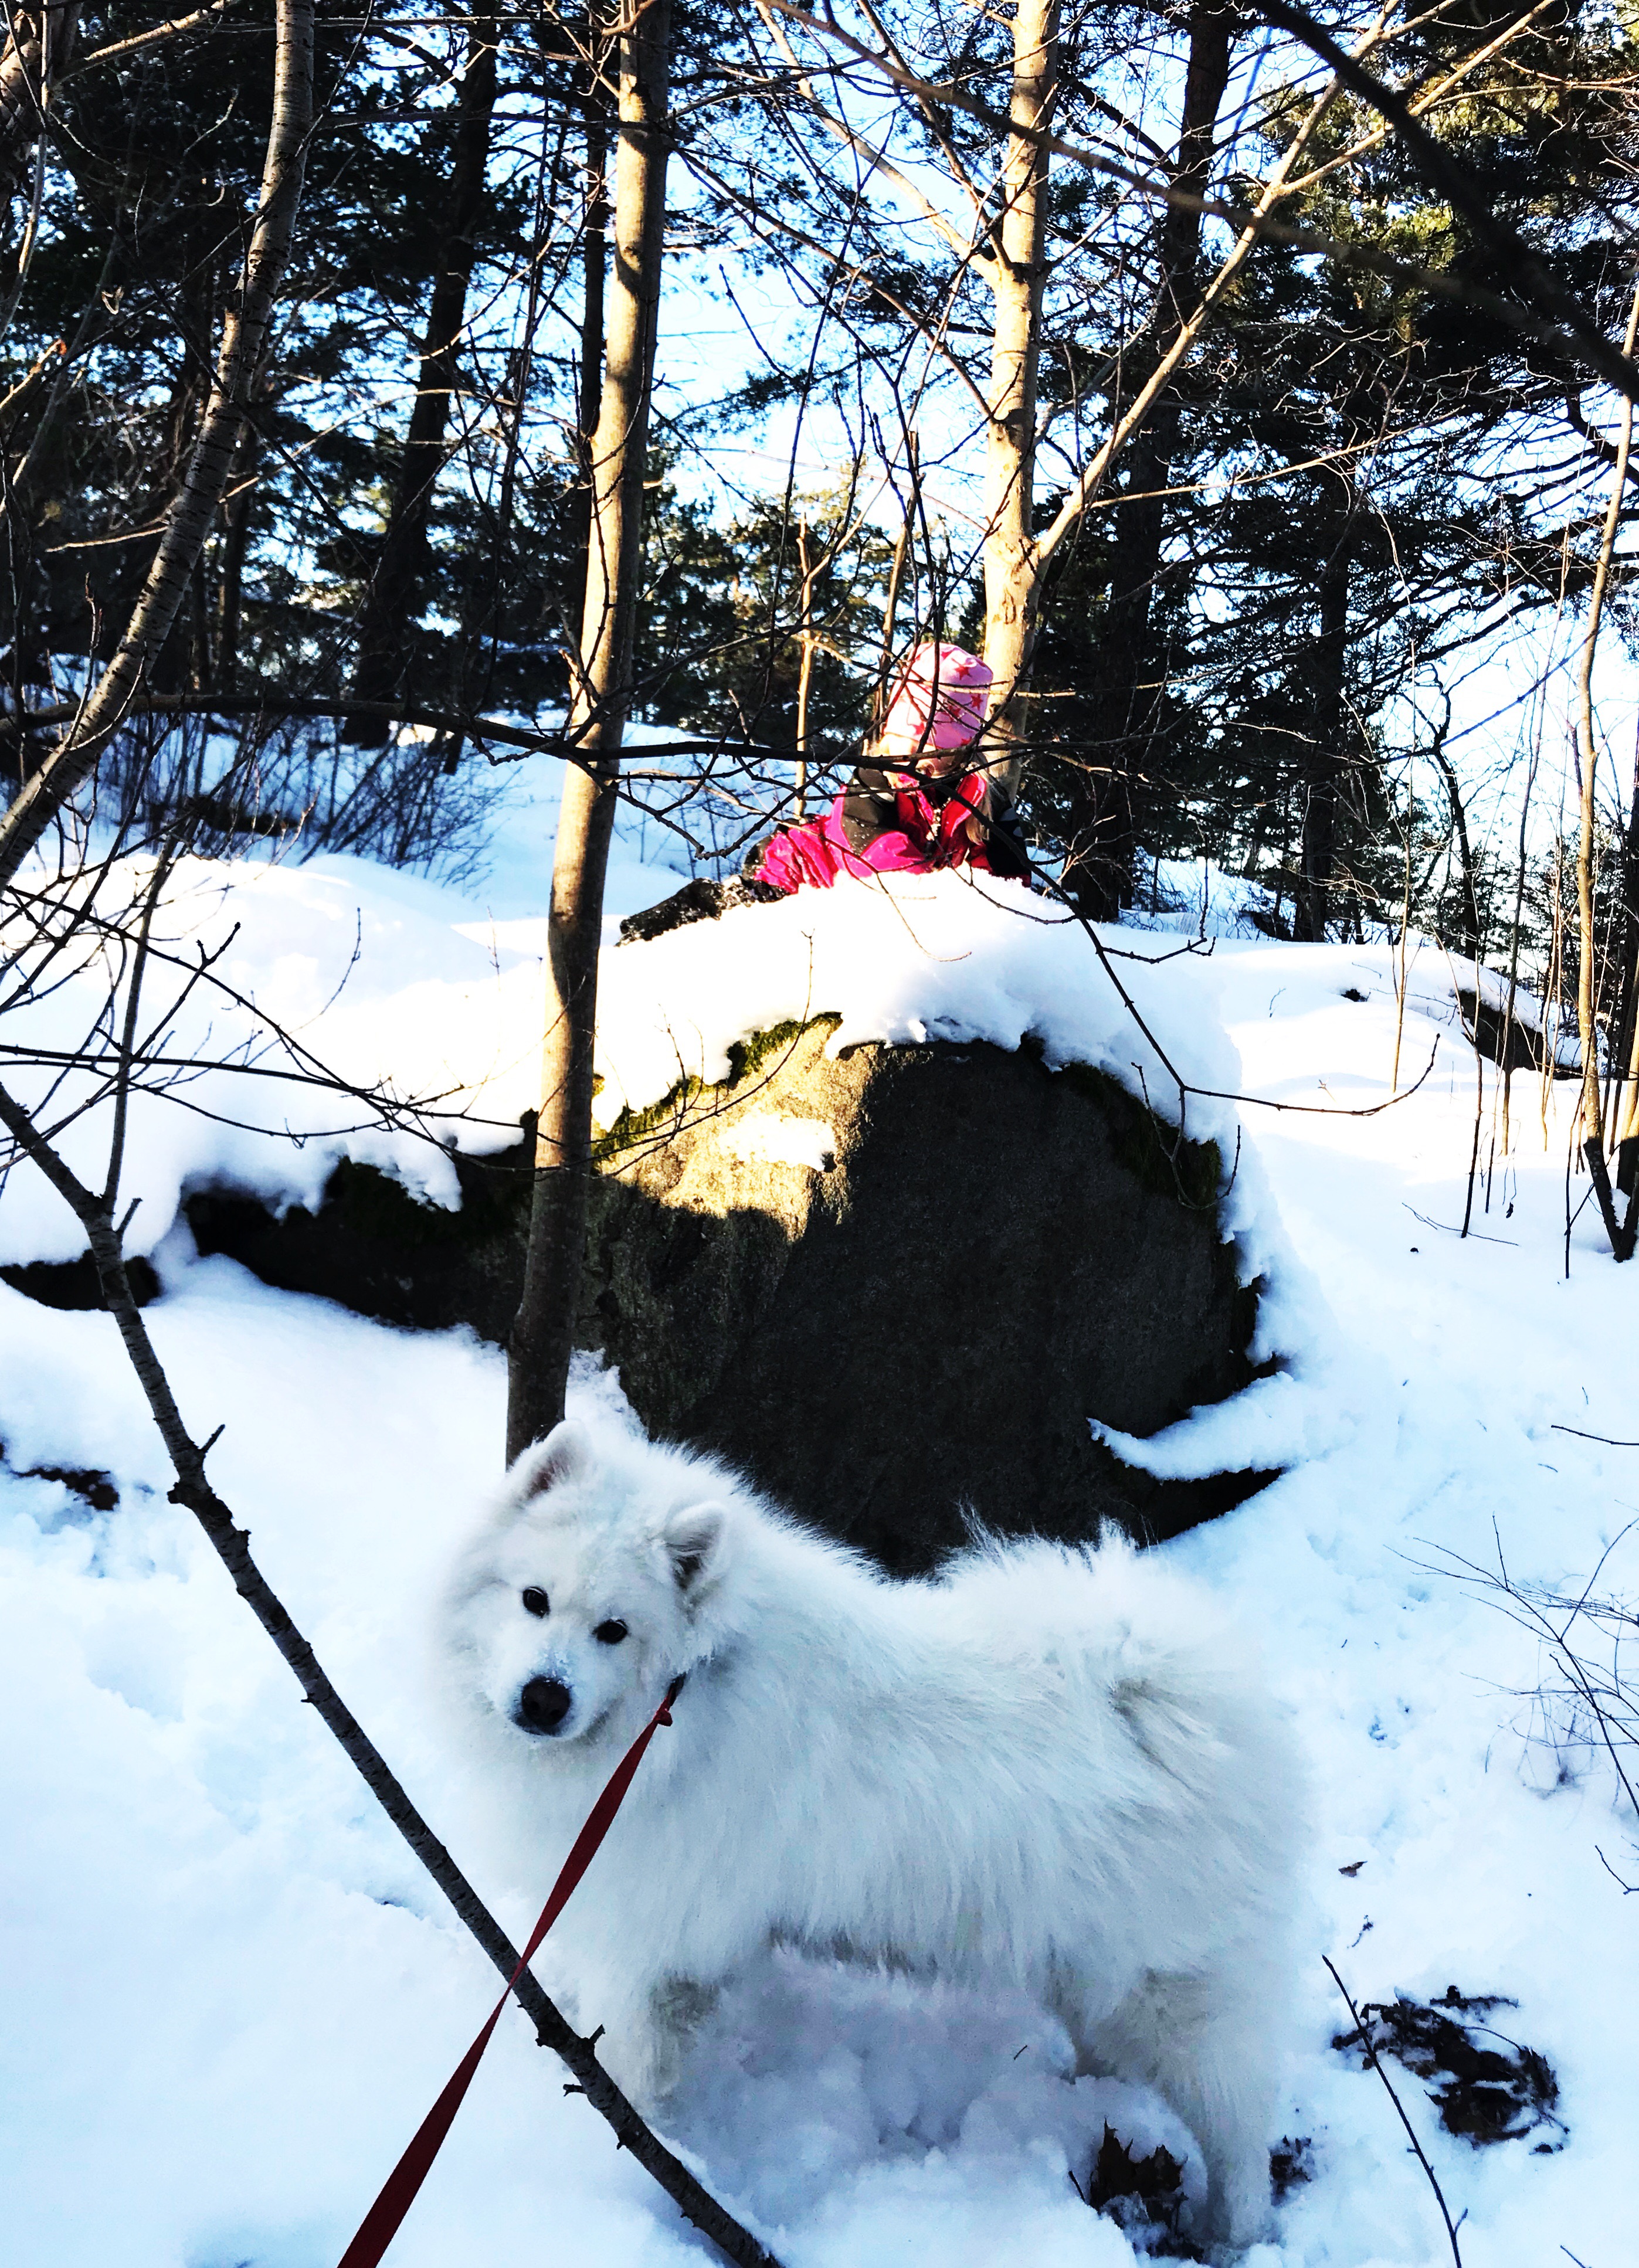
[344, 1011]
[907, 959]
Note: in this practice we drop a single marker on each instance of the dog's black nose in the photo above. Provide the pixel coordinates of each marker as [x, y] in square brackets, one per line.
[544, 1704]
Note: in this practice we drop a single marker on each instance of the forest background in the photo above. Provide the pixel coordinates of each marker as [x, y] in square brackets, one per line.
[1312, 622]
[395, 395]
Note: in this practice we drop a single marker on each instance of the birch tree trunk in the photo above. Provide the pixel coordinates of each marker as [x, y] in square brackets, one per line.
[543, 1335]
[378, 674]
[1016, 270]
[594, 267]
[189, 518]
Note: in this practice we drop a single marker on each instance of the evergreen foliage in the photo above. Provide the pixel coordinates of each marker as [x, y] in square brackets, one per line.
[1371, 478]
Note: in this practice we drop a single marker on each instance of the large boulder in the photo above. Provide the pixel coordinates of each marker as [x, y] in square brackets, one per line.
[894, 1284]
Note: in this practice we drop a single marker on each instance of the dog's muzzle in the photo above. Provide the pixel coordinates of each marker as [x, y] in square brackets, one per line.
[542, 1706]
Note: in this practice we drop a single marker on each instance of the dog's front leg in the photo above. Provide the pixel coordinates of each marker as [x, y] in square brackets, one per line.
[647, 2028]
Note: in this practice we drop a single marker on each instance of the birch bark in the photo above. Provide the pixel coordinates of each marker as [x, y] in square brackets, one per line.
[543, 1336]
[1017, 273]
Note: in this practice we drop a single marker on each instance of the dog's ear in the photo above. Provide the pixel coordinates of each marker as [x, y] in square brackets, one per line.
[564, 1455]
[693, 1541]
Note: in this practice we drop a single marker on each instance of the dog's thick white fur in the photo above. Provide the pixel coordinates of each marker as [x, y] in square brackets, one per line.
[1050, 1768]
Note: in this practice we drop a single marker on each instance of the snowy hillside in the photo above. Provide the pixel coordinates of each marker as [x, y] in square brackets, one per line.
[231, 1995]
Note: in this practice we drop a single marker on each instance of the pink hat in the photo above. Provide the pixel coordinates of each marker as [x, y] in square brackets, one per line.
[946, 683]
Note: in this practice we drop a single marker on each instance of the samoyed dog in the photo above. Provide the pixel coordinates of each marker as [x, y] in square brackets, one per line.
[1046, 1769]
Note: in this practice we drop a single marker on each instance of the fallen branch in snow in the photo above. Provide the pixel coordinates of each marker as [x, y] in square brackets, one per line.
[1323, 1109]
[1445, 1226]
[1186, 1088]
[1375, 2063]
[231, 1545]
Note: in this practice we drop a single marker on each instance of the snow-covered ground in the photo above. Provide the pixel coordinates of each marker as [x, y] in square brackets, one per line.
[231, 1998]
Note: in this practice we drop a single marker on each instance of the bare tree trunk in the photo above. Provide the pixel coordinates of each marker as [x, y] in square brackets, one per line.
[807, 568]
[187, 522]
[379, 673]
[1513, 954]
[1553, 986]
[1324, 762]
[1098, 872]
[593, 265]
[1016, 270]
[1626, 1136]
[1623, 1025]
[241, 496]
[1010, 654]
[1592, 1105]
[38, 51]
[1468, 940]
[543, 1336]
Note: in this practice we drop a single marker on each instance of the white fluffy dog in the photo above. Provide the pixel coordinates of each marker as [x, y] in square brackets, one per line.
[1049, 1769]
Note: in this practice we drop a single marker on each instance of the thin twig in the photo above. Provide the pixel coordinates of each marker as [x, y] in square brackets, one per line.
[231, 1546]
[1187, 1087]
[1628, 1889]
[127, 1038]
[1530, 1615]
[1445, 1227]
[1376, 2064]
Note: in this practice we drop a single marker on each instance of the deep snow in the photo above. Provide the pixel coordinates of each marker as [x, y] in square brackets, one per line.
[231, 1998]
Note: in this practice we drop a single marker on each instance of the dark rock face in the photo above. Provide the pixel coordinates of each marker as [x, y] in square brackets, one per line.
[1483, 1026]
[74, 1285]
[998, 1252]
[373, 1248]
[995, 1254]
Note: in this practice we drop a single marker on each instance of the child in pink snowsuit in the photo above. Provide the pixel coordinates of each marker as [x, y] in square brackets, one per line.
[912, 810]
[906, 811]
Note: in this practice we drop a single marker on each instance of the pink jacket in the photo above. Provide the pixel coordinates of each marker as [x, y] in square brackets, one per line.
[926, 836]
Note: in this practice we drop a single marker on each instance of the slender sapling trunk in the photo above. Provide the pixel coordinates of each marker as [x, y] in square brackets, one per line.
[1017, 271]
[1593, 1107]
[543, 1335]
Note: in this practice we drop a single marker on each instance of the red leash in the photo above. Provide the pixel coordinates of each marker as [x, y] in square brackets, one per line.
[380, 2225]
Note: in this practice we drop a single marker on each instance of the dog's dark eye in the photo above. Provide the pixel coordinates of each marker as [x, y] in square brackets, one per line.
[536, 1600]
[610, 1634]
